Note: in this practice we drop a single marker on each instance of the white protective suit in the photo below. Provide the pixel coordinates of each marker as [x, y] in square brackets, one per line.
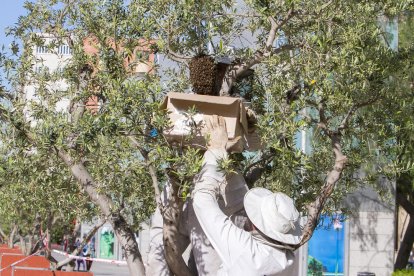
[241, 254]
[206, 259]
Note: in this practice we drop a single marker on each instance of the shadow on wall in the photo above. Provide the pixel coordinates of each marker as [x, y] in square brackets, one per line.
[372, 225]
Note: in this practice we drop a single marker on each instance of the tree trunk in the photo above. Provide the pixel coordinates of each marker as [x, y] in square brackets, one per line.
[11, 236]
[405, 247]
[3, 236]
[173, 240]
[122, 230]
[70, 266]
[408, 240]
[22, 244]
[29, 245]
[48, 248]
[37, 230]
[51, 220]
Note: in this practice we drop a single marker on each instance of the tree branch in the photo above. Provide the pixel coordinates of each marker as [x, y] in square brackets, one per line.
[177, 57]
[252, 173]
[234, 71]
[3, 235]
[80, 247]
[315, 208]
[152, 172]
[323, 121]
[405, 203]
[276, 26]
[170, 53]
[352, 110]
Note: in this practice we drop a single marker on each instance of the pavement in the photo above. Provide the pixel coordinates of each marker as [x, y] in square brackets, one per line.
[102, 269]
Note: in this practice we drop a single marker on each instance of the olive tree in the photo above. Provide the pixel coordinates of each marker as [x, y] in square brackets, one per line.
[319, 67]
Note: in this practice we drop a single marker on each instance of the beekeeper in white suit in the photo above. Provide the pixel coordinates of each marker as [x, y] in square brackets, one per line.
[266, 245]
[207, 262]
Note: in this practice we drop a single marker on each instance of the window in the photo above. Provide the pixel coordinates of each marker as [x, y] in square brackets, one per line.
[41, 50]
[327, 259]
[64, 50]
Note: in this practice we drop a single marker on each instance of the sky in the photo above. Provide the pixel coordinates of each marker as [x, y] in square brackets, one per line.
[10, 10]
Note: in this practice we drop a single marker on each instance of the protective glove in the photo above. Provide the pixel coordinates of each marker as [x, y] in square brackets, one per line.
[210, 178]
[217, 131]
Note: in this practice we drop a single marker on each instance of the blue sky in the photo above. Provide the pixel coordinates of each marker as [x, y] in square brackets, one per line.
[10, 10]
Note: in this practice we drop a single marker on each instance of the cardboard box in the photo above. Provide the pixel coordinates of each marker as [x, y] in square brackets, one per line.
[188, 128]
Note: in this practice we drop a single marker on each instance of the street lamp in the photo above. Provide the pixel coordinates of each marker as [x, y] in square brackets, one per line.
[337, 225]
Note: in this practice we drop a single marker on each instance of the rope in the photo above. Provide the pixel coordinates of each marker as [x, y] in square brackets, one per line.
[89, 258]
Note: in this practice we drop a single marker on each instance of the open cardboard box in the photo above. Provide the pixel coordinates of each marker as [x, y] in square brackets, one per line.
[186, 124]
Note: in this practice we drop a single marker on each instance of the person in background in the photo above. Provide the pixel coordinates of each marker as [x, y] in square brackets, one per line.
[89, 252]
[65, 243]
[266, 245]
[80, 262]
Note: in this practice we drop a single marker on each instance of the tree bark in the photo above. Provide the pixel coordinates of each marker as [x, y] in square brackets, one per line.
[173, 241]
[408, 240]
[22, 244]
[3, 236]
[37, 230]
[29, 245]
[123, 232]
[316, 207]
[51, 220]
[405, 247]
[70, 266]
[48, 253]
[11, 236]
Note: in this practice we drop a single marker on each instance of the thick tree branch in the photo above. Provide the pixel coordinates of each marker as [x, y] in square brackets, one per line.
[177, 57]
[13, 232]
[323, 121]
[105, 204]
[315, 208]
[405, 203]
[406, 244]
[276, 26]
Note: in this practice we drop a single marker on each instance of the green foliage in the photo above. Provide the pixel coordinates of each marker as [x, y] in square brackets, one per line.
[403, 273]
[331, 72]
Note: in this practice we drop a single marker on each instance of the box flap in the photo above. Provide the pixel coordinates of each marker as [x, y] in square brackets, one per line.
[203, 98]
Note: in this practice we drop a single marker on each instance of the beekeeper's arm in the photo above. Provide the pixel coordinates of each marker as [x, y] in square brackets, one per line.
[228, 240]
